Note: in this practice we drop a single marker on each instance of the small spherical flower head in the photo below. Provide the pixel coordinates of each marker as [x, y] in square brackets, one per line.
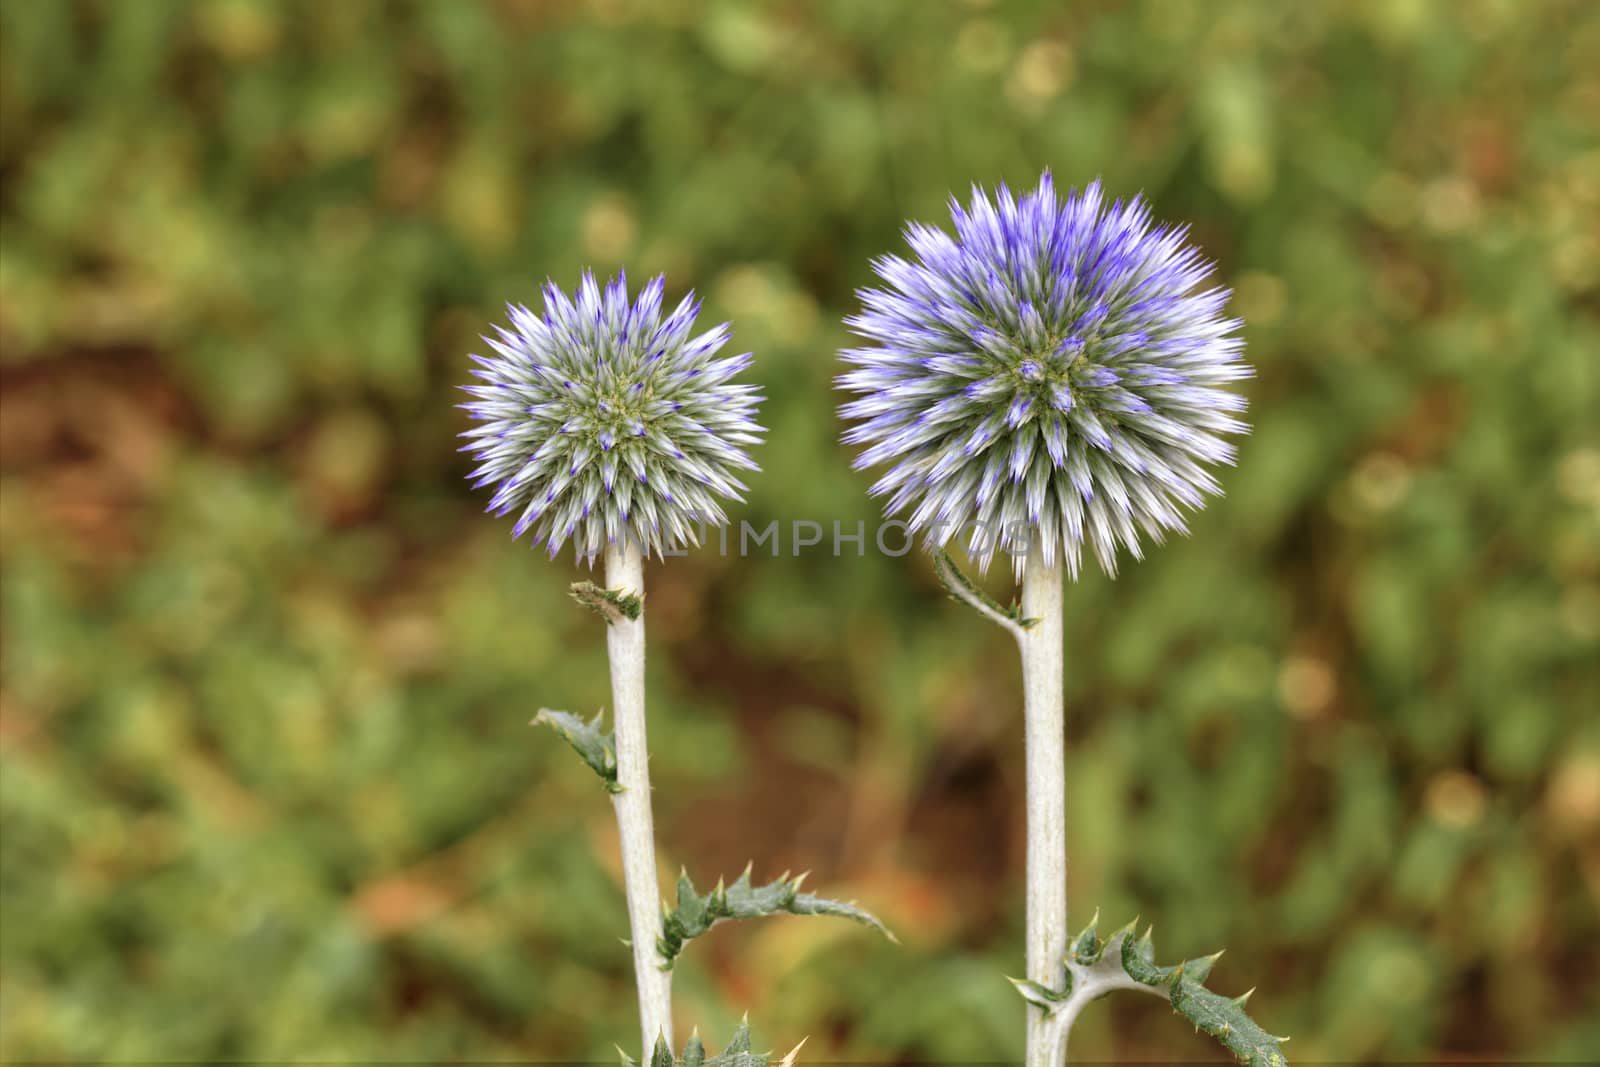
[600, 421]
[1050, 376]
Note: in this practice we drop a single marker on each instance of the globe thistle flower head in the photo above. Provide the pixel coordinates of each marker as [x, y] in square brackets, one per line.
[601, 419]
[1052, 374]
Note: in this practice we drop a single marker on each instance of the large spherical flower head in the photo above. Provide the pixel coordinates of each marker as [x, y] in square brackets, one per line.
[600, 420]
[1051, 375]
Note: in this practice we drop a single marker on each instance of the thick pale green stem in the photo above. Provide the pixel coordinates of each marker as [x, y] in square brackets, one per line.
[635, 824]
[1044, 723]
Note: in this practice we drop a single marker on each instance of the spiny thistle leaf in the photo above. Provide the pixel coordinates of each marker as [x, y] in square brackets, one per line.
[1138, 956]
[1042, 996]
[1221, 1017]
[1224, 1019]
[961, 587]
[737, 1054]
[610, 604]
[598, 748]
[696, 913]
[1087, 946]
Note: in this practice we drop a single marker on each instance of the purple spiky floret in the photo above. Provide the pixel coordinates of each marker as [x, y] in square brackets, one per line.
[601, 419]
[1053, 374]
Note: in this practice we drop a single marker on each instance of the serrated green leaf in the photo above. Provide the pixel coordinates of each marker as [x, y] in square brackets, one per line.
[1222, 1017]
[737, 1054]
[694, 1053]
[740, 1042]
[598, 748]
[1138, 958]
[612, 605]
[1041, 996]
[960, 587]
[1198, 969]
[1087, 946]
[696, 913]
[660, 1056]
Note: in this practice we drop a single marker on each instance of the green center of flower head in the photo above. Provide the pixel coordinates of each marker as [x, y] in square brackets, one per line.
[617, 417]
[1050, 380]
[1072, 367]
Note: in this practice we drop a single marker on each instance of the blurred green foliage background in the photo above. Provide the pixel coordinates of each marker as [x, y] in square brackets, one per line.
[268, 785]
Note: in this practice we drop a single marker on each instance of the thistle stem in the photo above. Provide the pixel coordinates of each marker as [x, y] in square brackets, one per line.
[635, 824]
[1044, 723]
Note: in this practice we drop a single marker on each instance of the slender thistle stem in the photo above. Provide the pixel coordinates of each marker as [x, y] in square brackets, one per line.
[1044, 723]
[635, 825]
